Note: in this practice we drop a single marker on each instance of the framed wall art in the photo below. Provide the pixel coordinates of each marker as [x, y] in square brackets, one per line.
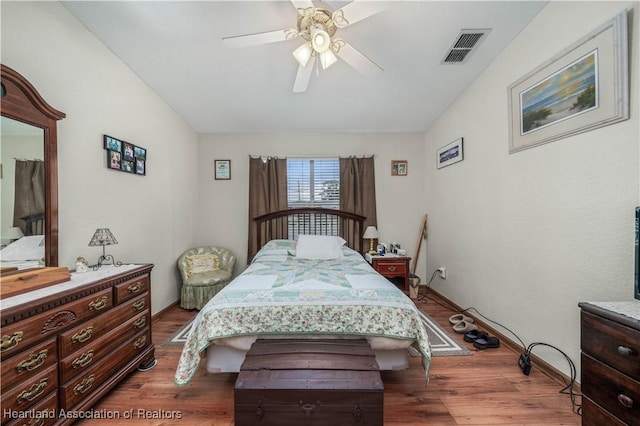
[399, 168]
[125, 156]
[449, 154]
[584, 87]
[222, 169]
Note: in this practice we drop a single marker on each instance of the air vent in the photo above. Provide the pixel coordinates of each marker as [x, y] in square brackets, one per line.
[464, 44]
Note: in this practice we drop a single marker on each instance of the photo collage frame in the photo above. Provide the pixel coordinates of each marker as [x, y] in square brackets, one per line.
[125, 156]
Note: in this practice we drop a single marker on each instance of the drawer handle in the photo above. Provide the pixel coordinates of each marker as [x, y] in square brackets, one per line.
[83, 360]
[34, 391]
[134, 288]
[139, 305]
[10, 342]
[98, 304]
[626, 351]
[84, 386]
[140, 342]
[34, 361]
[308, 408]
[625, 401]
[83, 335]
[392, 268]
[140, 323]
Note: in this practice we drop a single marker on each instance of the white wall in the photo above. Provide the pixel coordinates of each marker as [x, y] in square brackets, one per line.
[527, 236]
[224, 204]
[152, 217]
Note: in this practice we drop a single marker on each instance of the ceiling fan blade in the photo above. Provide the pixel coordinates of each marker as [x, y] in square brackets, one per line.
[356, 11]
[353, 57]
[260, 38]
[303, 76]
[303, 6]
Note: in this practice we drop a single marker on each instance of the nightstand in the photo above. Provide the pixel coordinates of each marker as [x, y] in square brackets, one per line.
[392, 266]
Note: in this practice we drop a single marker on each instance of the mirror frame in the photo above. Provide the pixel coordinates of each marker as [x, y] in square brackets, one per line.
[22, 102]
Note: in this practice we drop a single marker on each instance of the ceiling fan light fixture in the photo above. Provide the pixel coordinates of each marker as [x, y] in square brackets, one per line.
[303, 54]
[327, 59]
[320, 39]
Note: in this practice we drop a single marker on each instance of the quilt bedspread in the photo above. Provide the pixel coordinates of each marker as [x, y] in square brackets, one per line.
[279, 294]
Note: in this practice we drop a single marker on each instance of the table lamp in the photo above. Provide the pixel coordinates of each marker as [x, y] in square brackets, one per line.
[104, 237]
[371, 233]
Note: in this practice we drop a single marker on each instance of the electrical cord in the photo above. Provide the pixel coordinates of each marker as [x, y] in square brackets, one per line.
[568, 389]
[525, 358]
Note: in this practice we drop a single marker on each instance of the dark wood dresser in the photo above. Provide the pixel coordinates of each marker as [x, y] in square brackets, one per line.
[610, 344]
[66, 345]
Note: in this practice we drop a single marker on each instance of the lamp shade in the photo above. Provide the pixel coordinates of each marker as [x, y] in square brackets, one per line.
[370, 232]
[320, 39]
[303, 54]
[103, 237]
[13, 233]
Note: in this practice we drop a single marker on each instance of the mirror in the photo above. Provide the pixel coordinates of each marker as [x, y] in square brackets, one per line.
[22, 103]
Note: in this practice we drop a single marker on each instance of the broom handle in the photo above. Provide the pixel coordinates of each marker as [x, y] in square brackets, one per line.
[415, 258]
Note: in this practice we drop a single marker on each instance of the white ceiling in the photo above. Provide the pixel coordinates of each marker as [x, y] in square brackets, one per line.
[176, 48]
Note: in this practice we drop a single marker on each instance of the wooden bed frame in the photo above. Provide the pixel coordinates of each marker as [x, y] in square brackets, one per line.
[288, 224]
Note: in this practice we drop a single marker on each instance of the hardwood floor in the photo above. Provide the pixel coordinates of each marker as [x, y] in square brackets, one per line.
[486, 388]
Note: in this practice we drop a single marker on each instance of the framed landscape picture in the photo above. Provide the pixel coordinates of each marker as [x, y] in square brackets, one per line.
[582, 88]
[449, 154]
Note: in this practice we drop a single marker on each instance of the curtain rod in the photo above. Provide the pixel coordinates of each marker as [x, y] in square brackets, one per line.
[27, 159]
[314, 157]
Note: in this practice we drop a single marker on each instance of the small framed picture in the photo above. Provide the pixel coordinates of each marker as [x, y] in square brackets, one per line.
[449, 154]
[140, 153]
[399, 168]
[222, 169]
[112, 144]
[114, 159]
[140, 165]
[127, 153]
[127, 166]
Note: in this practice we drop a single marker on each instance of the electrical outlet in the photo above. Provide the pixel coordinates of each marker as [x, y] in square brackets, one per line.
[443, 272]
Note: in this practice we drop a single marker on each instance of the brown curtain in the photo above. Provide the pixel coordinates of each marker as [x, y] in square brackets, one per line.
[29, 195]
[358, 189]
[267, 193]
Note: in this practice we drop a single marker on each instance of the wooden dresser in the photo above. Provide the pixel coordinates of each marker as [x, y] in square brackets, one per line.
[65, 346]
[610, 343]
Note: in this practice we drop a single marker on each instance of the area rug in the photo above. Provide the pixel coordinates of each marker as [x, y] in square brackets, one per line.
[442, 343]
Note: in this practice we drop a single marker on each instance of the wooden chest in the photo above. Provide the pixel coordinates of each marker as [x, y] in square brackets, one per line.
[310, 382]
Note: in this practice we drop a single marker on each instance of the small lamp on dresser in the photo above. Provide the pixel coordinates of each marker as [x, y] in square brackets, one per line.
[371, 233]
[103, 237]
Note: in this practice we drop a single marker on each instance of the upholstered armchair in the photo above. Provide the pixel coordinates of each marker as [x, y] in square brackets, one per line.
[205, 271]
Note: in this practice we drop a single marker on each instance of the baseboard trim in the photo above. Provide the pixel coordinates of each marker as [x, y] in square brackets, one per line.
[159, 315]
[536, 362]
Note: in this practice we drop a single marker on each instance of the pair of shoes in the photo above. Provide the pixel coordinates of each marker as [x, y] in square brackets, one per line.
[474, 335]
[464, 327]
[486, 342]
[455, 319]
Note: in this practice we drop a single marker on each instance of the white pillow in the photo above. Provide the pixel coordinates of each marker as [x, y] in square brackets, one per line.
[319, 247]
[26, 248]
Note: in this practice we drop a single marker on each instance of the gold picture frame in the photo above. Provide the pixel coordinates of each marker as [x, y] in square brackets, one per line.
[399, 167]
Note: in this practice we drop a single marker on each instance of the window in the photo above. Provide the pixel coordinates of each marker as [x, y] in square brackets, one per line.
[313, 183]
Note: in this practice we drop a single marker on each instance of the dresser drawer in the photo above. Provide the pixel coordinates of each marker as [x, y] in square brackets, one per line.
[612, 390]
[19, 336]
[73, 392]
[26, 394]
[84, 334]
[594, 415]
[25, 365]
[392, 268]
[88, 356]
[131, 288]
[612, 343]
[44, 413]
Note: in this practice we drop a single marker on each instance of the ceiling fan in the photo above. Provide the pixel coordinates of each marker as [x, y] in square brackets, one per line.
[317, 26]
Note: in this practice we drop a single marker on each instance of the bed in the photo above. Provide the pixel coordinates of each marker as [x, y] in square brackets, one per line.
[26, 252]
[307, 282]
